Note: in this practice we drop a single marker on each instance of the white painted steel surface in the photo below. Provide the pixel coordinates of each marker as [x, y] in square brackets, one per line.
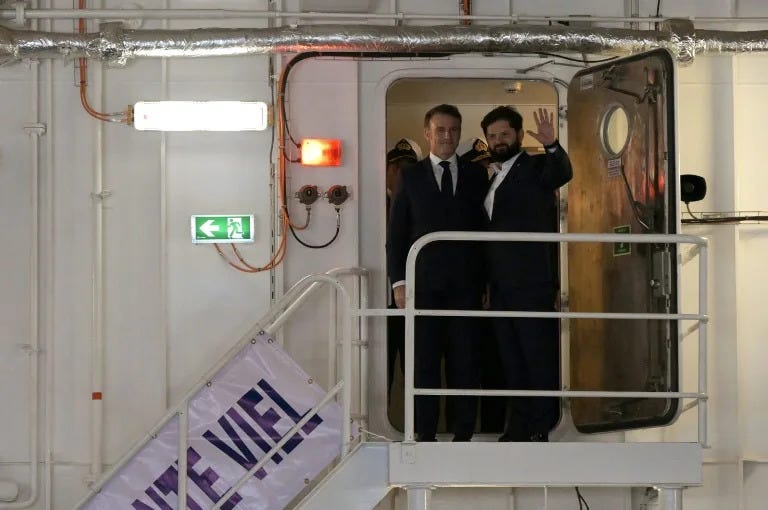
[545, 464]
[722, 100]
[183, 451]
[419, 498]
[670, 498]
[35, 129]
[359, 482]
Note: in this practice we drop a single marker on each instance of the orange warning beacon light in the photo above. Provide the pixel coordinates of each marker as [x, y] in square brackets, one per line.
[320, 152]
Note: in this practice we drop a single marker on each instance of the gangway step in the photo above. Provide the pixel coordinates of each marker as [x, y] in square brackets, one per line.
[358, 483]
[545, 464]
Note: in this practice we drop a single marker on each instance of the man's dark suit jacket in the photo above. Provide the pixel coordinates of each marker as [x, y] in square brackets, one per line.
[523, 203]
[419, 208]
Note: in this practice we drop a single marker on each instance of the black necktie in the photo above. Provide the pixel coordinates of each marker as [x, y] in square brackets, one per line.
[446, 182]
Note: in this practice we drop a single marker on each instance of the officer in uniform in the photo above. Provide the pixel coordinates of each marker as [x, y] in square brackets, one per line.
[404, 153]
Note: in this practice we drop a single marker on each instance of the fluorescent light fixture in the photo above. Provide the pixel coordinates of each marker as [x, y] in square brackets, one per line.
[200, 116]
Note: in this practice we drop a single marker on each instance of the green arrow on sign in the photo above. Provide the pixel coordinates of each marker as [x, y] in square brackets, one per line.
[222, 228]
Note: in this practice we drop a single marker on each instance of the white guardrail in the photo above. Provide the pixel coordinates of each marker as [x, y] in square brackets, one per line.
[277, 316]
[411, 313]
[358, 311]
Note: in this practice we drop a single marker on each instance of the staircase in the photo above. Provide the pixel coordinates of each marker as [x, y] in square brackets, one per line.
[256, 430]
[252, 433]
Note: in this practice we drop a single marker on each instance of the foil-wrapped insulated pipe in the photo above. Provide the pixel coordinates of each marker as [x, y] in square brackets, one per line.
[116, 45]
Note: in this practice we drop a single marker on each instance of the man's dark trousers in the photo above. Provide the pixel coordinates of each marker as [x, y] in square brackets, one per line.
[452, 337]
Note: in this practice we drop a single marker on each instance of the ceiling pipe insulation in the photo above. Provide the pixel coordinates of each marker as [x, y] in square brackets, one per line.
[116, 45]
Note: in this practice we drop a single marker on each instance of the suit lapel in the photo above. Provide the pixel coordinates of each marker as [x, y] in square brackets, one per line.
[429, 176]
[464, 176]
[514, 172]
[509, 181]
[461, 176]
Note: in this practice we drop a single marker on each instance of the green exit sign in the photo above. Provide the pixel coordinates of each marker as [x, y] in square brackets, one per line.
[222, 228]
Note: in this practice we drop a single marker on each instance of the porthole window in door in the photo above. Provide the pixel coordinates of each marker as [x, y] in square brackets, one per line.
[615, 130]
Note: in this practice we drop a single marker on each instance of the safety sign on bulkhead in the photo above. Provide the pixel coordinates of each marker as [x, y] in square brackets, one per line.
[222, 228]
[622, 248]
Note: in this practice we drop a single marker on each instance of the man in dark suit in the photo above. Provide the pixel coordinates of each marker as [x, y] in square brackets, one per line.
[439, 193]
[522, 275]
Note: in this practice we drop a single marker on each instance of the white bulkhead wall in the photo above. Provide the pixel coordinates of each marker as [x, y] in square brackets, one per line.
[321, 103]
[170, 307]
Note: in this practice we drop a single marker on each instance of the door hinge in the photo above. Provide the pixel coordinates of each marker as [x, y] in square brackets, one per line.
[661, 281]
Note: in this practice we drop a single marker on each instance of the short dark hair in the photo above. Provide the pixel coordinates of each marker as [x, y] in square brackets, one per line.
[446, 109]
[502, 113]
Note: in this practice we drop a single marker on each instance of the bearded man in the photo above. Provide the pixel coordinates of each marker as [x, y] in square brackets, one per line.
[523, 275]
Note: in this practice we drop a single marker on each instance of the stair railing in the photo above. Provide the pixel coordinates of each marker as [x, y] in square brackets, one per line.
[278, 314]
[700, 396]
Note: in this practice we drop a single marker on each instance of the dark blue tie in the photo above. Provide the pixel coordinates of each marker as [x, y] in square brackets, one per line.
[446, 182]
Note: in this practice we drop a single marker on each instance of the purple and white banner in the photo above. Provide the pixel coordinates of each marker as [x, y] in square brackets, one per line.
[250, 404]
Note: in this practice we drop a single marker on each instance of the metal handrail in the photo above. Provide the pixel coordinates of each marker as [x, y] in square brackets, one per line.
[411, 313]
[304, 288]
[273, 320]
[361, 292]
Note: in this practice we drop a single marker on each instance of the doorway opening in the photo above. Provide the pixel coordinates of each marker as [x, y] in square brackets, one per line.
[407, 101]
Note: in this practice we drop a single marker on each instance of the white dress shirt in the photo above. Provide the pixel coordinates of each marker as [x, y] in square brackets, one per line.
[500, 175]
[438, 170]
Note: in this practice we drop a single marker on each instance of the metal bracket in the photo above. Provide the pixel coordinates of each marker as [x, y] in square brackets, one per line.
[567, 402]
[579, 23]
[29, 350]
[36, 129]
[101, 196]
[21, 17]
[661, 282]
[132, 23]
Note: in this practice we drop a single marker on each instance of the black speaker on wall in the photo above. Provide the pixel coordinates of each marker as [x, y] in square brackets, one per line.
[692, 188]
